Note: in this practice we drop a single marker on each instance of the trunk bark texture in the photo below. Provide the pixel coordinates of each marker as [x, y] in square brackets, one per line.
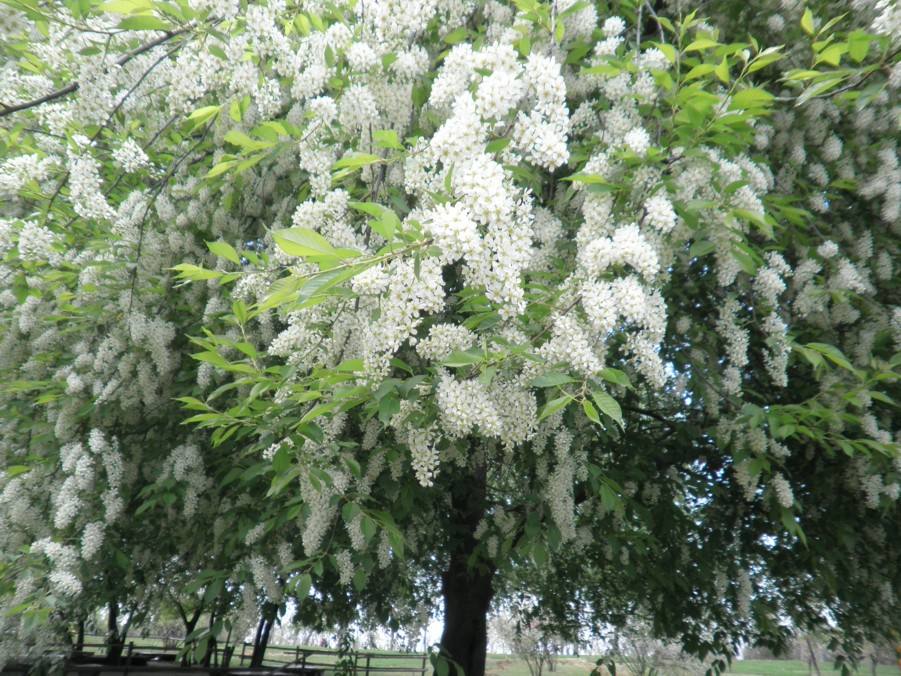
[113, 638]
[467, 589]
[264, 629]
[79, 638]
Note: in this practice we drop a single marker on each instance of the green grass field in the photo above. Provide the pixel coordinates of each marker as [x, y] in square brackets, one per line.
[799, 668]
[509, 665]
[501, 665]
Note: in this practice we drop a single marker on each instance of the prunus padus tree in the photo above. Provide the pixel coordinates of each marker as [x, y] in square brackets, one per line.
[589, 301]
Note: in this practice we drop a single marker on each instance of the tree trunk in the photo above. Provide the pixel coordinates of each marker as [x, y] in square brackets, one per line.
[190, 625]
[115, 641]
[264, 629]
[467, 588]
[813, 656]
[79, 638]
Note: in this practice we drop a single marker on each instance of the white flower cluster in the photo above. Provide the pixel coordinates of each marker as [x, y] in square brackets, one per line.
[502, 410]
[85, 186]
[130, 156]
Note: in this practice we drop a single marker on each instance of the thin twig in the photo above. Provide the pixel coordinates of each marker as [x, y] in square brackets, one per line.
[110, 117]
[68, 89]
[156, 194]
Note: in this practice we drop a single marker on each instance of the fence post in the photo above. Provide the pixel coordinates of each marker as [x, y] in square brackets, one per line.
[424, 656]
[243, 648]
[367, 663]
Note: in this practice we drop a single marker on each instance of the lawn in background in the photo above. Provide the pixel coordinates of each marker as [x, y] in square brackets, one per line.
[799, 668]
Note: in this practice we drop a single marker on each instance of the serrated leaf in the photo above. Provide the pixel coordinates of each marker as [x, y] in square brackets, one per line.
[701, 44]
[224, 250]
[387, 138]
[752, 97]
[858, 45]
[144, 23]
[356, 160]
[389, 405]
[807, 21]
[456, 36]
[461, 358]
[700, 70]
[590, 411]
[126, 6]
[700, 248]
[608, 406]
[722, 71]
[304, 585]
[303, 242]
[552, 379]
[195, 273]
[221, 168]
[615, 376]
[763, 61]
[554, 406]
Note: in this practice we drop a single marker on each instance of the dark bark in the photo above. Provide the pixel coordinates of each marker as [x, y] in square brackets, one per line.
[211, 643]
[79, 638]
[264, 629]
[113, 638]
[466, 584]
[190, 625]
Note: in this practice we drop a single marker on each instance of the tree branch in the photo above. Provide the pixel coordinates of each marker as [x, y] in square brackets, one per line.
[68, 89]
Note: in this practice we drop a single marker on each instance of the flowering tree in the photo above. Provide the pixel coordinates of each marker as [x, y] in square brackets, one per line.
[589, 301]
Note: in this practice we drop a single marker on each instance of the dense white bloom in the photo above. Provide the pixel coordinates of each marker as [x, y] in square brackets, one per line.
[637, 140]
[659, 213]
[613, 26]
[130, 156]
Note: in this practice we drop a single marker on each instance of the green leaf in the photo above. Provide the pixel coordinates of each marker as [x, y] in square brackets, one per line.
[316, 286]
[552, 379]
[539, 554]
[387, 139]
[701, 44]
[608, 406]
[356, 160]
[221, 168]
[201, 115]
[590, 411]
[16, 470]
[303, 586]
[126, 6]
[833, 354]
[615, 376]
[144, 23]
[764, 59]
[752, 97]
[389, 405]
[858, 45]
[224, 250]
[722, 71]
[700, 248]
[459, 358]
[807, 21]
[668, 50]
[195, 273]
[832, 54]
[303, 242]
[553, 406]
[700, 70]
[456, 36]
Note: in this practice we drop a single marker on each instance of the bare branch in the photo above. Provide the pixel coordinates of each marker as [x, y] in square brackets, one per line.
[68, 89]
